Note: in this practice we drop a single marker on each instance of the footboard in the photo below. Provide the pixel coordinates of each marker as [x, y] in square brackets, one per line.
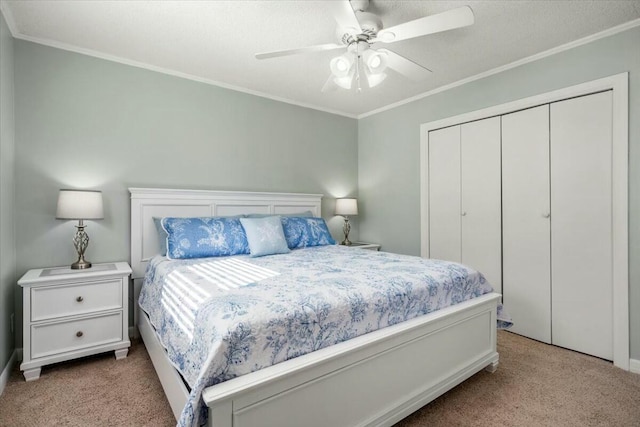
[375, 379]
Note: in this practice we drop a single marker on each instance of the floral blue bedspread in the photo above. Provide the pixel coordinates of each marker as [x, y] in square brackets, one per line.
[220, 318]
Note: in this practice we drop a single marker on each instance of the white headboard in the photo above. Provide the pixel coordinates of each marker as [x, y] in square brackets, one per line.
[147, 203]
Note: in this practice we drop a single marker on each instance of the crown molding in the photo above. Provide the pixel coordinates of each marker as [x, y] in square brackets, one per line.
[602, 34]
[89, 52]
[113, 58]
[125, 61]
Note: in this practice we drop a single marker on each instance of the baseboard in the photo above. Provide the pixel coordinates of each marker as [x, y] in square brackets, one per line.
[634, 366]
[4, 377]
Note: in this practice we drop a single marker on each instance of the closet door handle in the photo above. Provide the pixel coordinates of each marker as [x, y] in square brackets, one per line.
[546, 215]
[463, 213]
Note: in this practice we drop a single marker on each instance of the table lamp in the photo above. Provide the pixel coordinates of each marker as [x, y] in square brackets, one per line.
[346, 208]
[80, 205]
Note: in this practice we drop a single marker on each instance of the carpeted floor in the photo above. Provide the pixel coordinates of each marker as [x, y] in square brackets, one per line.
[535, 385]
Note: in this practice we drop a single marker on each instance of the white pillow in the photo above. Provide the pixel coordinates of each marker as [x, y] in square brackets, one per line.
[265, 236]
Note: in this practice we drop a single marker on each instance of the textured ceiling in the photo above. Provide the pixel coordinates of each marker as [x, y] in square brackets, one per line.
[216, 40]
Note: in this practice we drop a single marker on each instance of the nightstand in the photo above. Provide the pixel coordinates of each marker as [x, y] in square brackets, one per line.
[363, 245]
[74, 313]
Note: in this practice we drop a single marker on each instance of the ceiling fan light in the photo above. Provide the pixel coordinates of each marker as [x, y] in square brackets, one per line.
[375, 61]
[340, 65]
[375, 79]
[344, 82]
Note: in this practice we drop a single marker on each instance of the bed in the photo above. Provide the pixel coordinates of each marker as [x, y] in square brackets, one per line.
[376, 378]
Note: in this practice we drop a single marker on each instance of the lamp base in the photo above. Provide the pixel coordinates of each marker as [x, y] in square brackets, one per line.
[346, 228]
[81, 264]
[80, 241]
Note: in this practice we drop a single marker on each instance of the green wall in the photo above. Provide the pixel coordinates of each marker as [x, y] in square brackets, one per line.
[7, 158]
[83, 122]
[389, 144]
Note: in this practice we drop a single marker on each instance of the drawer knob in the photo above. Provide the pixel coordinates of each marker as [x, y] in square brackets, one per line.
[79, 334]
[79, 299]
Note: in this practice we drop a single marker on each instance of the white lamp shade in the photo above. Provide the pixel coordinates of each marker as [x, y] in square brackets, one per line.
[375, 61]
[341, 65]
[346, 207]
[343, 82]
[80, 204]
[375, 79]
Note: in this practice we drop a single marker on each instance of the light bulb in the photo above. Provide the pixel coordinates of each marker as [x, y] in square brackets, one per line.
[375, 61]
[340, 65]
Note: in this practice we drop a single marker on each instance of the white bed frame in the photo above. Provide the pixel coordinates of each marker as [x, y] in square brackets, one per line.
[372, 380]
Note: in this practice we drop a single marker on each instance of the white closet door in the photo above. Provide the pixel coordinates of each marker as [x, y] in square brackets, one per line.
[581, 233]
[526, 286]
[444, 194]
[481, 204]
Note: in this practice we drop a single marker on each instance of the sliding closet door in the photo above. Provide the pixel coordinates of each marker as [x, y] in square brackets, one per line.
[526, 221]
[444, 194]
[581, 228]
[480, 207]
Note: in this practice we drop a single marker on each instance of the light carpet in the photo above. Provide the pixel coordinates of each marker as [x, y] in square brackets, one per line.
[535, 385]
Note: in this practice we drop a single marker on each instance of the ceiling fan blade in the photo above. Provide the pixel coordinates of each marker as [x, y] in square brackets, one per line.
[344, 15]
[455, 18]
[405, 66]
[308, 49]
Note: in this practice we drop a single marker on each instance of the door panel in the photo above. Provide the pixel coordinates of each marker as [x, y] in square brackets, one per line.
[481, 204]
[581, 233]
[526, 225]
[444, 194]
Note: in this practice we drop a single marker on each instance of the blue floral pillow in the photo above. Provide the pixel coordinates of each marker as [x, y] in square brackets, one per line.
[265, 236]
[304, 232]
[204, 237]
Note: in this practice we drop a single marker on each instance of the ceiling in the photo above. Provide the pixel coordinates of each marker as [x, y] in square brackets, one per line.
[215, 41]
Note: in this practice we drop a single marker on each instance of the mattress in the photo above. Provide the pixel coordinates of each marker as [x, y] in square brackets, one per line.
[219, 318]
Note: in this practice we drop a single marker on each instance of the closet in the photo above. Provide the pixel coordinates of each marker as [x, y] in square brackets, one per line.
[526, 224]
[526, 198]
[581, 224]
[464, 179]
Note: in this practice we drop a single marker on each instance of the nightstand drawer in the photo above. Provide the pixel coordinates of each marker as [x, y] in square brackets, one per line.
[75, 334]
[67, 300]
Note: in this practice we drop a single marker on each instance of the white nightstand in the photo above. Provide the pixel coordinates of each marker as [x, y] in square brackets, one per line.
[363, 245]
[74, 313]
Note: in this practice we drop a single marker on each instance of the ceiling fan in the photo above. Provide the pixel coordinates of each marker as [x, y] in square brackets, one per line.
[358, 30]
